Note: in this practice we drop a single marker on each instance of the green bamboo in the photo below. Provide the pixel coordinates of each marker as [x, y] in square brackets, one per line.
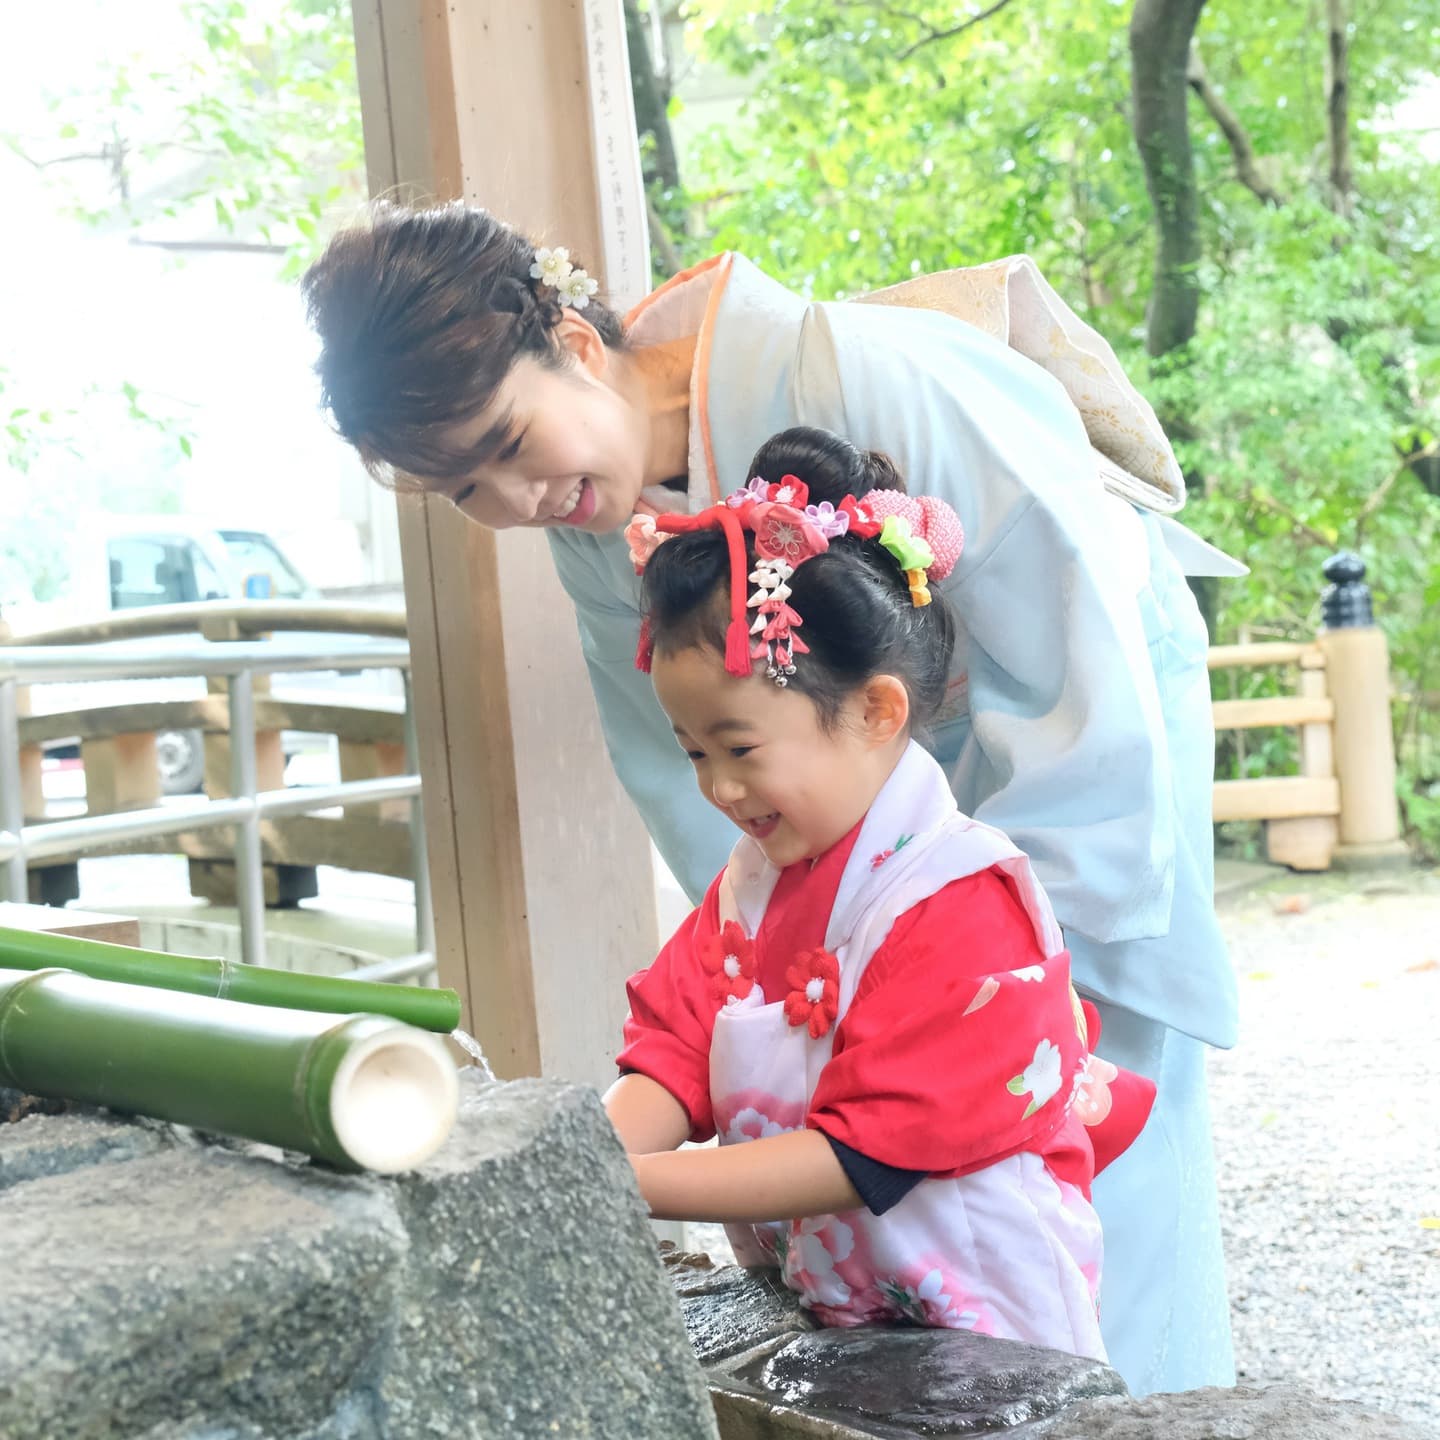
[437, 1010]
[359, 1091]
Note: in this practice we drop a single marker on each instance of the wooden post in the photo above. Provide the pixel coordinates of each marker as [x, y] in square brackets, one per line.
[1358, 662]
[541, 872]
[373, 760]
[1308, 842]
[121, 773]
[32, 790]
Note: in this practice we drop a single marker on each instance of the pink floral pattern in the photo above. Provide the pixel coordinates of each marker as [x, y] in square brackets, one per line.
[817, 1246]
[930, 1297]
[1092, 1090]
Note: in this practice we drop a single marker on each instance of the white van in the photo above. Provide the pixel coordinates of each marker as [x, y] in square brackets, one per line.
[125, 562]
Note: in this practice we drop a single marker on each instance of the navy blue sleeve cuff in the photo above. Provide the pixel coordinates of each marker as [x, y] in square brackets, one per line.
[880, 1186]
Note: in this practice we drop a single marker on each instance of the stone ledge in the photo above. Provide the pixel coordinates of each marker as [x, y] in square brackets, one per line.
[509, 1290]
[55, 1144]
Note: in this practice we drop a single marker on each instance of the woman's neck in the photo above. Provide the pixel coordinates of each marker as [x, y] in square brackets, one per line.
[660, 377]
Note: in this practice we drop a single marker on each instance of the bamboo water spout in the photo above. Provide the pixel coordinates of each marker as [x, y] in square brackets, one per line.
[437, 1010]
[359, 1091]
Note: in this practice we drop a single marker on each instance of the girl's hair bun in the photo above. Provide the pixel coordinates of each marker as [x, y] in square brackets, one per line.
[830, 466]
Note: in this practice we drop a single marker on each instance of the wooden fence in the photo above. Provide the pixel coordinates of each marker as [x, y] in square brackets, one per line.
[1342, 805]
[1301, 811]
[120, 761]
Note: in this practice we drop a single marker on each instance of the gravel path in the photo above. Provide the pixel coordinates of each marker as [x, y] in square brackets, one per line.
[1327, 1134]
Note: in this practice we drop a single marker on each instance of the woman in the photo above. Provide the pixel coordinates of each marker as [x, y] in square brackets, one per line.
[1077, 718]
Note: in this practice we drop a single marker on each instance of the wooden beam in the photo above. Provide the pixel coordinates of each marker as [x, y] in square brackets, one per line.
[378, 720]
[1282, 798]
[1225, 657]
[1274, 710]
[540, 870]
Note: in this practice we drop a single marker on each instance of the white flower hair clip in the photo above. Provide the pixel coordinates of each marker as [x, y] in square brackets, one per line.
[572, 284]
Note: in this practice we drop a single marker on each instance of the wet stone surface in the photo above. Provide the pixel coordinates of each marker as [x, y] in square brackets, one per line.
[774, 1375]
[772, 1372]
[901, 1382]
[728, 1310]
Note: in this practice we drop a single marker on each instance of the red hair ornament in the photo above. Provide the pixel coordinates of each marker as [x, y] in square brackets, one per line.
[789, 531]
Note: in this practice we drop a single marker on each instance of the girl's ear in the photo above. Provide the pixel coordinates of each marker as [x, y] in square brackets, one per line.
[887, 709]
[583, 342]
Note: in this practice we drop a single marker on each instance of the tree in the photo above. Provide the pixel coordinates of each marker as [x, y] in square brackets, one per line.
[1161, 36]
[245, 132]
[1299, 360]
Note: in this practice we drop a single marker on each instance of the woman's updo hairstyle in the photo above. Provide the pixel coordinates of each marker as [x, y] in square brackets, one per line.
[859, 620]
[421, 314]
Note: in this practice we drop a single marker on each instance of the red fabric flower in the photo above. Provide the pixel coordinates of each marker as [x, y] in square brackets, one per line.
[729, 960]
[862, 521]
[791, 490]
[814, 998]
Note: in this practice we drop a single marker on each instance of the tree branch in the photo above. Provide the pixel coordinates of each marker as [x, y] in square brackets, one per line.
[953, 31]
[1233, 130]
[1266, 502]
[1377, 496]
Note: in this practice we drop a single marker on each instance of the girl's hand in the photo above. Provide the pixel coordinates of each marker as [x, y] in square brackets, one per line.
[783, 1177]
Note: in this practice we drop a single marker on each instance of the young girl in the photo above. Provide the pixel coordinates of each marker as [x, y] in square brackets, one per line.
[872, 1007]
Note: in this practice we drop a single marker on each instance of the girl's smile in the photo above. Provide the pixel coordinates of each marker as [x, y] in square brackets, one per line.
[763, 759]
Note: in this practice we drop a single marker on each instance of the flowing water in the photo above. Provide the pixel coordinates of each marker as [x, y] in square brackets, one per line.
[471, 1046]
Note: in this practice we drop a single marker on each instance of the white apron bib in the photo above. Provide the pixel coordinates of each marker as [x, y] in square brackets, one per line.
[1008, 1250]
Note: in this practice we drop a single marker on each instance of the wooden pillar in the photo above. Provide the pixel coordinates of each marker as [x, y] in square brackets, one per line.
[540, 869]
[1357, 660]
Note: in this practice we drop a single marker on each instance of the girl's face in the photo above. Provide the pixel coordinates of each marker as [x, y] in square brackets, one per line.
[762, 758]
[562, 448]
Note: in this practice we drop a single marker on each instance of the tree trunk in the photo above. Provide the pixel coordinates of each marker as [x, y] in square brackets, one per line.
[652, 99]
[1337, 107]
[1161, 32]
[1160, 35]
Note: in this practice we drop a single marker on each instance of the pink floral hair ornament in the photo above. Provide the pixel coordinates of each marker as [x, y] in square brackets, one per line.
[643, 539]
[923, 534]
[785, 536]
[930, 525]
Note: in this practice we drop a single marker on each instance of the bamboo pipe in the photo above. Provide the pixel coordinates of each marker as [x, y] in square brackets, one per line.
[361, 1092]
[437, 1010]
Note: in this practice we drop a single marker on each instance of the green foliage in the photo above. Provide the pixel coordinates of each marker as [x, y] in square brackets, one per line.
[246, 129]
[249, 126]
[873, 145]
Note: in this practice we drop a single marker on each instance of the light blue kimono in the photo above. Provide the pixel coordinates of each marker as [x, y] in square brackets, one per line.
[1079, 721]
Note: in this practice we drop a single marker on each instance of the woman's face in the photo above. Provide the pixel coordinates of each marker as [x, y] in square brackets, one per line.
[563, 447]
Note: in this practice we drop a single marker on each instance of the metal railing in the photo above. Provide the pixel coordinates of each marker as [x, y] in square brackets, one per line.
[238, 662]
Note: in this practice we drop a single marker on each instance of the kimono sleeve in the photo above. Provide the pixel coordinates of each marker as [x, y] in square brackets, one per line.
[693, 838]
[961, 1044]
[672, 1014]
